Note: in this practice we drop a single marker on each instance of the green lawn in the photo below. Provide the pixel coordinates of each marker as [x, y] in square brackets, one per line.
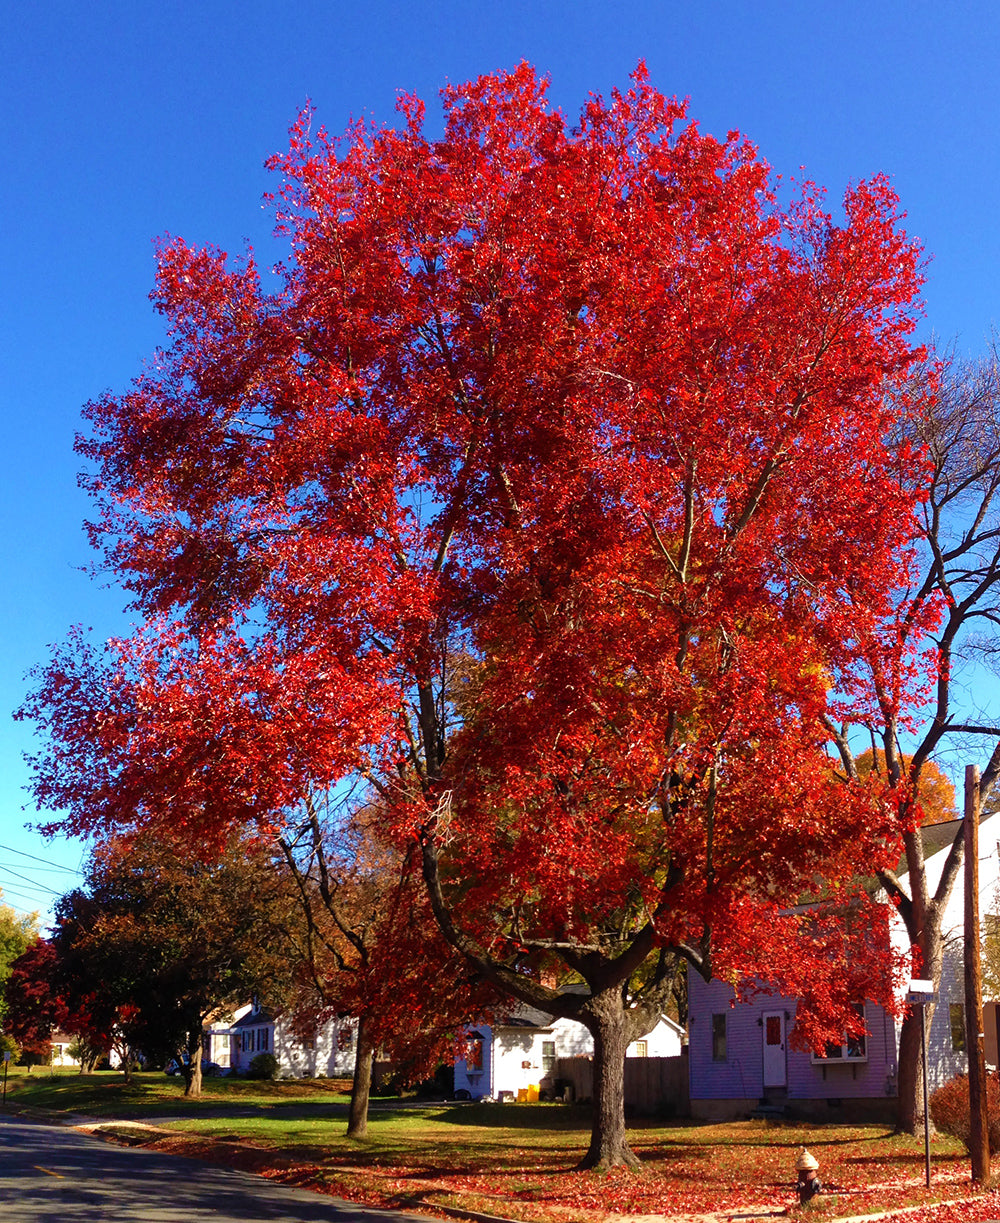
[105, 1094]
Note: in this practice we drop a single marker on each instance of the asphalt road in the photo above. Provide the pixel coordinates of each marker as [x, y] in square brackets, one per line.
[53, 1175]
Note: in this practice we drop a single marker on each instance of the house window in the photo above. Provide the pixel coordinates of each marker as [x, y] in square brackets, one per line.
[851, 1049]
[548, 1055]
[719, 1037]
[956, 1014]
[641, 1048]
[474, 1051]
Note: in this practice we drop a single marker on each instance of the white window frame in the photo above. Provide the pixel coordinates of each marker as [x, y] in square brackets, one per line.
[846, 1057]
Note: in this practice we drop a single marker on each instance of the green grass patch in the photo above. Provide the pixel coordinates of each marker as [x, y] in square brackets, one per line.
[471, 1138]
[106, 1093]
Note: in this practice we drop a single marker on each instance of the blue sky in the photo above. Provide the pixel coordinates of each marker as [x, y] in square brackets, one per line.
[123, 121]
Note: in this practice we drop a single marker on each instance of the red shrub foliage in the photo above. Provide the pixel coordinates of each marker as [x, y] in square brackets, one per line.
[950, 1109]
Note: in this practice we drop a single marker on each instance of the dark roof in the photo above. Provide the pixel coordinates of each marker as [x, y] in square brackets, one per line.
[937, 836]
[527, 1017]
[254, 1019]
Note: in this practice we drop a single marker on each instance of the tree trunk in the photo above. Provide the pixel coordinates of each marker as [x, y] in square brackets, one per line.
[910, 1108]
[364, 1057]
[606, 1018]
[192, 1072]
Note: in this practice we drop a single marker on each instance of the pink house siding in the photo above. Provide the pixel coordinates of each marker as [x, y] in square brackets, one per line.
[739, 1074]
[735, 1082]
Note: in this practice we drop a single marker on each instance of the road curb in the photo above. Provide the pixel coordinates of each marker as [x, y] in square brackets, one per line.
[456, 1212]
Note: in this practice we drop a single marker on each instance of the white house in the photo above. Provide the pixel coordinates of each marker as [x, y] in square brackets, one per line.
[946, 1035]
[61, 1042]
[514, 1057]
[328, 1051]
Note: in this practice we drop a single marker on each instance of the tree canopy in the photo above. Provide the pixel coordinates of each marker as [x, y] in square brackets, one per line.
[550, 491]
[160, 939]
[955, 425]
[18, 931]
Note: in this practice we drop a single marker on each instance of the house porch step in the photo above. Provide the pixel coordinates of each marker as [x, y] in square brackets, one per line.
[773, 1105]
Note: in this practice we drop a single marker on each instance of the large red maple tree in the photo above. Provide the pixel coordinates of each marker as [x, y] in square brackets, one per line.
[548, 490]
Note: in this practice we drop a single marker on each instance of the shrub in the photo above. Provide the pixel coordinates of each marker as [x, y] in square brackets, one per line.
[263, 1066]
[950, 1109]
[35, 1055]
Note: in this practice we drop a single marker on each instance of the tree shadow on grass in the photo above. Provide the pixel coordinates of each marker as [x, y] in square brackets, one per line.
[799, 1136]
[518, 1116]
[914, 1159]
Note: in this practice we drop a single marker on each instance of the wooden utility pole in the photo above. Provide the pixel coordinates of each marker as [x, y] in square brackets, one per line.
[975, 1043]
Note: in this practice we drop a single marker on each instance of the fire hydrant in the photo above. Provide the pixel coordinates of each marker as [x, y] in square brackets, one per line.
[808, 1183]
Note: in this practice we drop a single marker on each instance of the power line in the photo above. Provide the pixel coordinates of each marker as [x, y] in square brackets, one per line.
[37, 906]
[45, 861]
[31, 882]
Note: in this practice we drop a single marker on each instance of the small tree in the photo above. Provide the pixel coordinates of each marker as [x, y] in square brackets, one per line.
[17, 933]
[83, 1050]
[370, 947]
[160, 941]
[34, 1002]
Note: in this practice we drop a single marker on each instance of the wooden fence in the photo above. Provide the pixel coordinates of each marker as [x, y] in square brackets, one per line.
[654, 1086]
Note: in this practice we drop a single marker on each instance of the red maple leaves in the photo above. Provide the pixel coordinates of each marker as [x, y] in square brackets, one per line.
[550, 493]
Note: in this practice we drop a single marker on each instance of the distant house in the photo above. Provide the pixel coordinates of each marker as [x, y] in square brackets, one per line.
[328, 1050]
[507, 1058]
[61, 1055]
[216, 1039]
[740, 1056]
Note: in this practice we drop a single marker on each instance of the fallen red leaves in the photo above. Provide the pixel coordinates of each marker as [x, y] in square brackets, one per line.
[704, 1172]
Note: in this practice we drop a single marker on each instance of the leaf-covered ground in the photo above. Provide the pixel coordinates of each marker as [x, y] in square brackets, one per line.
[431, 1159]
[512, 1160]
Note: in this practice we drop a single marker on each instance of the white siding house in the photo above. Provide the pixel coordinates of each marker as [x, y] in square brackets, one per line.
[505, 1059]
[61, 1042]
[328, 1051]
